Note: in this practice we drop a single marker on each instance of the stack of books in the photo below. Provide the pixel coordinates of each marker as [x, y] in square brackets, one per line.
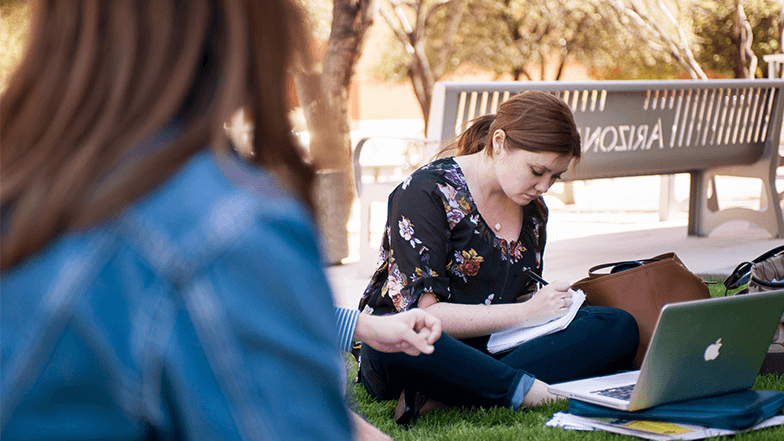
[719, 415]
[653, 430]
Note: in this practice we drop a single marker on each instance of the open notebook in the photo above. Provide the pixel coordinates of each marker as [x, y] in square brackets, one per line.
[512, 337]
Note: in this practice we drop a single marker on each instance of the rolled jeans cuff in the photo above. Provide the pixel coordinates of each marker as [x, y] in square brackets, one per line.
[514, 399]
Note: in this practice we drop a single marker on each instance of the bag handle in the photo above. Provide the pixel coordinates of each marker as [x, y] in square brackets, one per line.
[769, 254]
[741, 274]
[766, 284]
[630, 264]
[620, 266]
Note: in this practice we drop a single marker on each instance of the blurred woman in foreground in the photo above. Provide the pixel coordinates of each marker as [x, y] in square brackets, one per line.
[154, 285]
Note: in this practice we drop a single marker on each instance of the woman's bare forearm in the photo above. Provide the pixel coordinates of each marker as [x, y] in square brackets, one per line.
[464, 321]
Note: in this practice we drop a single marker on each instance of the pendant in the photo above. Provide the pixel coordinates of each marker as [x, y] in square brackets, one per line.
[497, 227]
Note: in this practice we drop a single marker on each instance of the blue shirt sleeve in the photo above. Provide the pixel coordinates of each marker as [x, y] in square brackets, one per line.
[347, 323]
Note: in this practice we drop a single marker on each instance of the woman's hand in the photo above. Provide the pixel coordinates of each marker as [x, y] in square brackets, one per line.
[549, 303]
[412, 332]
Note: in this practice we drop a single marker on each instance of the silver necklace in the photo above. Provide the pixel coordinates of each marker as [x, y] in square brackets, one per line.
[497, 226]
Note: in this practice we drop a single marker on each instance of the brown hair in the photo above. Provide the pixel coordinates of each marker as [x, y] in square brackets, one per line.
[99, 77]
[533, 121]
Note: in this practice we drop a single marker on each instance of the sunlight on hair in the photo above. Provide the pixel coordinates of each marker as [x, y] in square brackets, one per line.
[240, 130]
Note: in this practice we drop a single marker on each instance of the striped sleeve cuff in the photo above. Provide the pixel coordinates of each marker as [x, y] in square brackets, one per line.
[347, 322]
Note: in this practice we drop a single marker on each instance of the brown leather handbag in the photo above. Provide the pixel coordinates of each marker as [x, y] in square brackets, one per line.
[641, 288]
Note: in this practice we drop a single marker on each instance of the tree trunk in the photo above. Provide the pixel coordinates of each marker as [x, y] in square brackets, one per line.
[422, 79]
[350, 21]
[745, 59]
[739, 56]
[324, 99]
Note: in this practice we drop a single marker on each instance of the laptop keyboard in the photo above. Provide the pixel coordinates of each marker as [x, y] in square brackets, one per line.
[621, 393]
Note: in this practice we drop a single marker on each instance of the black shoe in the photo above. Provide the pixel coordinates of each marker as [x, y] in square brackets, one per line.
[408, 407]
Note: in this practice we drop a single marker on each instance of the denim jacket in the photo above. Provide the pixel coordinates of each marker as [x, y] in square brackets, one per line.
[200, 312]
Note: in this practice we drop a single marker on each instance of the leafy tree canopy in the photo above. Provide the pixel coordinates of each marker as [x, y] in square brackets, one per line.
[714, 22]
[516, 37]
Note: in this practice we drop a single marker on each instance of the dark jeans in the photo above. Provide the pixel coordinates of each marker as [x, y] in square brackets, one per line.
[599, 341]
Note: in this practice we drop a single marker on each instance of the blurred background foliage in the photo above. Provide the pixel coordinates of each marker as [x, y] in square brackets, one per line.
[319, 14]
[534, 39]
[713, 27]
[14, 21]
[515, 37]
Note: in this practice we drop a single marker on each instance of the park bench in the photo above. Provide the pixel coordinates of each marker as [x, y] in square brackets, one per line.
[636, 128]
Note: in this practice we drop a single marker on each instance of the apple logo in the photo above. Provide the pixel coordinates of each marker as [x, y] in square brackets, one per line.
[712, 352]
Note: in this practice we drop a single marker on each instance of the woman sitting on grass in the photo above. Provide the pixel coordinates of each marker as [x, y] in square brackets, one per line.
[461, 233]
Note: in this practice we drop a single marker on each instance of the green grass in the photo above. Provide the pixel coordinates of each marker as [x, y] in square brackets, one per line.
[503, 424]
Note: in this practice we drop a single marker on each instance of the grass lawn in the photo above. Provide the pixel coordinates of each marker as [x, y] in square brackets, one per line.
[504, 424]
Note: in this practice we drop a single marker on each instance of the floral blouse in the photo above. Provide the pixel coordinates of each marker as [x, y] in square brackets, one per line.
[437, 242]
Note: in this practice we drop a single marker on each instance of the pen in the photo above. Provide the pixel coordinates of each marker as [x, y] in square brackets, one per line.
[535, 276]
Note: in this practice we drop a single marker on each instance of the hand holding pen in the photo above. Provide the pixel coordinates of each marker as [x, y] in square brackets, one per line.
[532, 274]
[561, 293]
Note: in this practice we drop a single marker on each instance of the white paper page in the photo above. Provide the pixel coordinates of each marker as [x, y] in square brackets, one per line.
[502, 340]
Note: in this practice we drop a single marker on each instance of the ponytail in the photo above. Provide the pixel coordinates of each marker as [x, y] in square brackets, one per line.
[533, 121]
[473, 139]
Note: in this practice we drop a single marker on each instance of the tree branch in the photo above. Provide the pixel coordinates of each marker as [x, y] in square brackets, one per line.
[400, 34]
[456, 10]
[684, 46]
[412, 39]
[648, 24]
[746, 41]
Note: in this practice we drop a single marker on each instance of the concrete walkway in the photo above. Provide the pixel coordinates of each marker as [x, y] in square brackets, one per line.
[612, 220]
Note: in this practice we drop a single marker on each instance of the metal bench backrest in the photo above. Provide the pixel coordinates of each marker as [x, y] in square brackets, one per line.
[633, 128]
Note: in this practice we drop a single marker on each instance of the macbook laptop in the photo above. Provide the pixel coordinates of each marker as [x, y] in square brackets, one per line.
[698, 348]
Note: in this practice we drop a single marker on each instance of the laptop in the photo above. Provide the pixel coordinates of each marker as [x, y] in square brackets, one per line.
[698, 348]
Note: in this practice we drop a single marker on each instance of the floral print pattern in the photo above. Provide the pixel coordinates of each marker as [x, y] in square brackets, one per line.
[406, 229]
[443, 246]
[456, 205]
[465, 264]
[470, 262]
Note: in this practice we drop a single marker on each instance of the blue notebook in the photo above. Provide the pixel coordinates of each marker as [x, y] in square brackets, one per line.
[732, 411]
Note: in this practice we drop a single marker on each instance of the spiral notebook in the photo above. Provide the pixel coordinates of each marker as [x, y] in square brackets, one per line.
[513, 337]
